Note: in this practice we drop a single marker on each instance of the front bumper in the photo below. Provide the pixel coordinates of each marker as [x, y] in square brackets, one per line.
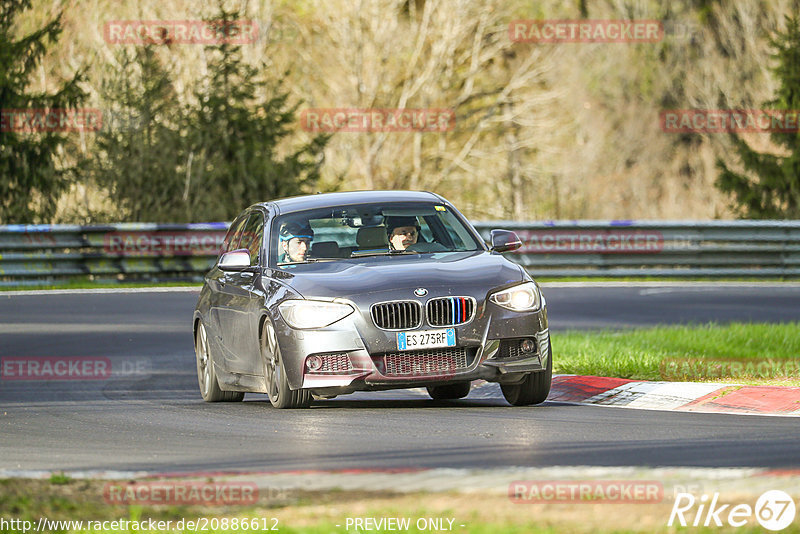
[488, 363]
[357, 356]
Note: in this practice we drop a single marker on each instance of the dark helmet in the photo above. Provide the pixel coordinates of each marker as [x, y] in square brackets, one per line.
[290, 230]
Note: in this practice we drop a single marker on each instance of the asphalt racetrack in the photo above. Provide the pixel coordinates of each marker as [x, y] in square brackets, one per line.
[147, 415]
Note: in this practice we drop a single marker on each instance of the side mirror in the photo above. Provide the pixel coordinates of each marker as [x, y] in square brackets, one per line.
[505, 240]
[235, 260]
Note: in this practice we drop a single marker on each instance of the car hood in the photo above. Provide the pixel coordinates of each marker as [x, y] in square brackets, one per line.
[438, 273]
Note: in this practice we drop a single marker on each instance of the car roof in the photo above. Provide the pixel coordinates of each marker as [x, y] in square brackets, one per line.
[291, 204]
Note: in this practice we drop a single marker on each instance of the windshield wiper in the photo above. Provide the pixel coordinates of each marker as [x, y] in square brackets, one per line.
[360, 254]
[307, 260]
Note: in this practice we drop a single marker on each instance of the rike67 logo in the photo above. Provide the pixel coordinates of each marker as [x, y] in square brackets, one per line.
[774, 510]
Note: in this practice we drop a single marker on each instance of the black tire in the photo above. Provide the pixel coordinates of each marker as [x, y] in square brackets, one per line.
[280, 396]
[534, 389]
[206, 376]
[450, 391]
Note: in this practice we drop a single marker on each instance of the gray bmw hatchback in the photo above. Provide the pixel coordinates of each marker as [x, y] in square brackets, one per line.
[323, 295]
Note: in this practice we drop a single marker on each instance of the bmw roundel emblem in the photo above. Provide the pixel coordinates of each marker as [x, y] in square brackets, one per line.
[420, 292]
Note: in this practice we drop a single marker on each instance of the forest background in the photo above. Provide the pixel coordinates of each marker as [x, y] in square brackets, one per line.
[542, 131]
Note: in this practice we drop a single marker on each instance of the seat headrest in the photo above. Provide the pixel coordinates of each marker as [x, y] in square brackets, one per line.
[325, 249]
[372, 237]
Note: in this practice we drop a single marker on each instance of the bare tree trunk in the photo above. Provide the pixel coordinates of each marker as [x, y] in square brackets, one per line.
[514, 176]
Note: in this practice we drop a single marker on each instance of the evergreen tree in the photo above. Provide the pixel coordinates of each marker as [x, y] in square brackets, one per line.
[776, 191]
[234, 133]
[139, 153]
[30, 178]
[205, 160]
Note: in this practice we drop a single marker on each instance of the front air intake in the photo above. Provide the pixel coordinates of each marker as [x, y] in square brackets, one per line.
[431, 362]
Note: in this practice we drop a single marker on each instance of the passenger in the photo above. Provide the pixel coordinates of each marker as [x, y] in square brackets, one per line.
[295, 242]
[403, 231]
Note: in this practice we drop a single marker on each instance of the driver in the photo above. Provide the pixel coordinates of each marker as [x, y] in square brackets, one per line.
[402, 231]
[295, 242]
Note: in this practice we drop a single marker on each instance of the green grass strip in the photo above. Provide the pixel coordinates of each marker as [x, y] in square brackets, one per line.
[747, 352]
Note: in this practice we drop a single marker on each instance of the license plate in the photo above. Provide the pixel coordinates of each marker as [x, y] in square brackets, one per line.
[426, 339]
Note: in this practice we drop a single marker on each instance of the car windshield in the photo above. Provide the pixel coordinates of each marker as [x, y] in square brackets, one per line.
[329, 234]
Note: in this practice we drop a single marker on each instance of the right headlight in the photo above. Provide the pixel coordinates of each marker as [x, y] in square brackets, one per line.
[304, 314]
[524, 297]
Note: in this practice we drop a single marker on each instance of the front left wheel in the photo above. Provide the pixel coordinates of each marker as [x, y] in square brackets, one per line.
[206, 376]
[275, 373]
[534, 389]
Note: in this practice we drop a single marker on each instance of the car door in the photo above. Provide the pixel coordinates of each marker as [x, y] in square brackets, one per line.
[219, 299]
[241, 303]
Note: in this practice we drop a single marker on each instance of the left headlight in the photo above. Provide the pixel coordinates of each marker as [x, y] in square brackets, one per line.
[313, 313]
[524, 297]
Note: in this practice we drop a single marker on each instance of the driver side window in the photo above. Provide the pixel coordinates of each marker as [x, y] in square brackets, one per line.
[253, 236]
[233, 236]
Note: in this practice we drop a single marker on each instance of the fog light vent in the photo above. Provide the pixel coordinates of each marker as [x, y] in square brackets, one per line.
[511, 349]
[329, 363]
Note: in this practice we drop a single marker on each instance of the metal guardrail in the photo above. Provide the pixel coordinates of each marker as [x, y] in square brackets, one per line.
[39, 254]
[715, 249]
